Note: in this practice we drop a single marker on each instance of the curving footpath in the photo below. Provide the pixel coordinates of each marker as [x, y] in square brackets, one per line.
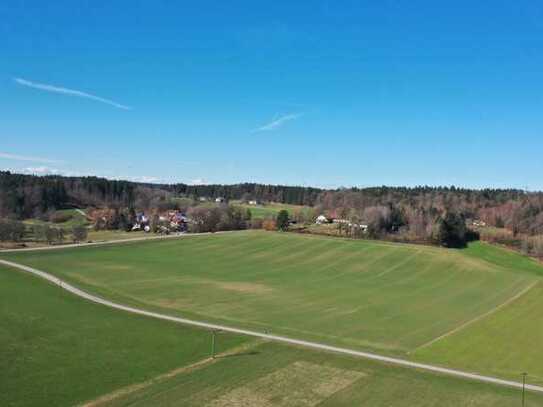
[313, 345]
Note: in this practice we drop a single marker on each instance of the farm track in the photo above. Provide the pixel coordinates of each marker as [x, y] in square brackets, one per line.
[109, 242]
[307, 344]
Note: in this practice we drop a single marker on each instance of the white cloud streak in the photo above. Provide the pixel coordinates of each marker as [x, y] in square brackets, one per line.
[276, 123]
[69, 92]
[17, 157]
[41, 170]
[146, 179]
[198, 181]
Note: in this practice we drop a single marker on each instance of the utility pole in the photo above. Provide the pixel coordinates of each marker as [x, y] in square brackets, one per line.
[213, 332]
[524, 388]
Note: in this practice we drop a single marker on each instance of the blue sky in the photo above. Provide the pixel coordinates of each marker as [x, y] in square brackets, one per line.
[331, 93]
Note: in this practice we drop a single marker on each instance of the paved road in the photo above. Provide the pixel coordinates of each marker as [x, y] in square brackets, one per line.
[306, 344]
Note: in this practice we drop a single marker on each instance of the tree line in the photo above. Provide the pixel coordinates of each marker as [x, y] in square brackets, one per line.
[403, 213]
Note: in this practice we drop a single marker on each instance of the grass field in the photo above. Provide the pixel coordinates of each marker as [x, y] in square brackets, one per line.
[73, 216]
[271, 209]
[276, 375]
[58, 350]
[390, 298]
[112, 235]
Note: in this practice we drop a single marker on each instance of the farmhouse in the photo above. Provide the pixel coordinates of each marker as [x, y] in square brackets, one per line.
[341, 221]
[360, 226]
[479, 223]
[219, 199]
[321, 219]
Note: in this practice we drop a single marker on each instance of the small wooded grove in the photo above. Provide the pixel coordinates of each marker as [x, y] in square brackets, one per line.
[412, 214]
[17, 231]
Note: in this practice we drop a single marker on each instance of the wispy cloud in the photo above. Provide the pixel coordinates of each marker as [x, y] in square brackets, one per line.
[198, 181]
[69, 92]
[278, 122]
[17, 157]
[41, 170]
[146, 179]
[46, 170]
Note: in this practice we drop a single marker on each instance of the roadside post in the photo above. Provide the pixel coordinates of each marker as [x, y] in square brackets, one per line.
[524, 388]
[212, 344]
[213, 334]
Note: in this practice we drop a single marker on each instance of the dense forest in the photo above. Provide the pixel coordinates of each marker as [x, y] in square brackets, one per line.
[26, 196]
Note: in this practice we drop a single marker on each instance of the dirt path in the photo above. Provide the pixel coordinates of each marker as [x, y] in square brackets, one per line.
[108, 242]
[276, 338]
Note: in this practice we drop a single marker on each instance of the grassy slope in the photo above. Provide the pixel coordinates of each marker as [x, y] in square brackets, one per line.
[76, 219]
[511, 337]
[391, 298]
[57, 350]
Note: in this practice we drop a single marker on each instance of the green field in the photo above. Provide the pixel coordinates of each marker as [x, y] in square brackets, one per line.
[272, 209]
[389, 298]
[58, 350]
[276, 375]
[73, 218]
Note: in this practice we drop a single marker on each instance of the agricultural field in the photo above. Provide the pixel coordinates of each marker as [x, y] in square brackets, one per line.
[59, 350]
[277, 375]
[395, 299]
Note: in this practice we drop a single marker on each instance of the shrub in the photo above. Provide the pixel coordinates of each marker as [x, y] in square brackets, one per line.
[11, 230]
[79, 233]
[269, 224]
[282, 220]
[54, 235]
[532, 246]
[472, 235]
[256, 223]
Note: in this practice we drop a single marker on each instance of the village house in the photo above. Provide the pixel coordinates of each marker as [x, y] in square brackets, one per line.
[321, 219]
[341, 221]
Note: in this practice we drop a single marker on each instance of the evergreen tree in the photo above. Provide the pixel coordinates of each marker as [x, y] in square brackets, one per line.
[79, 233]
[451, 230]
[282, 220]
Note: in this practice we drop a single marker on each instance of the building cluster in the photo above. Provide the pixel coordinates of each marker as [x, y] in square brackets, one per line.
[321, 220]
[172, 221]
